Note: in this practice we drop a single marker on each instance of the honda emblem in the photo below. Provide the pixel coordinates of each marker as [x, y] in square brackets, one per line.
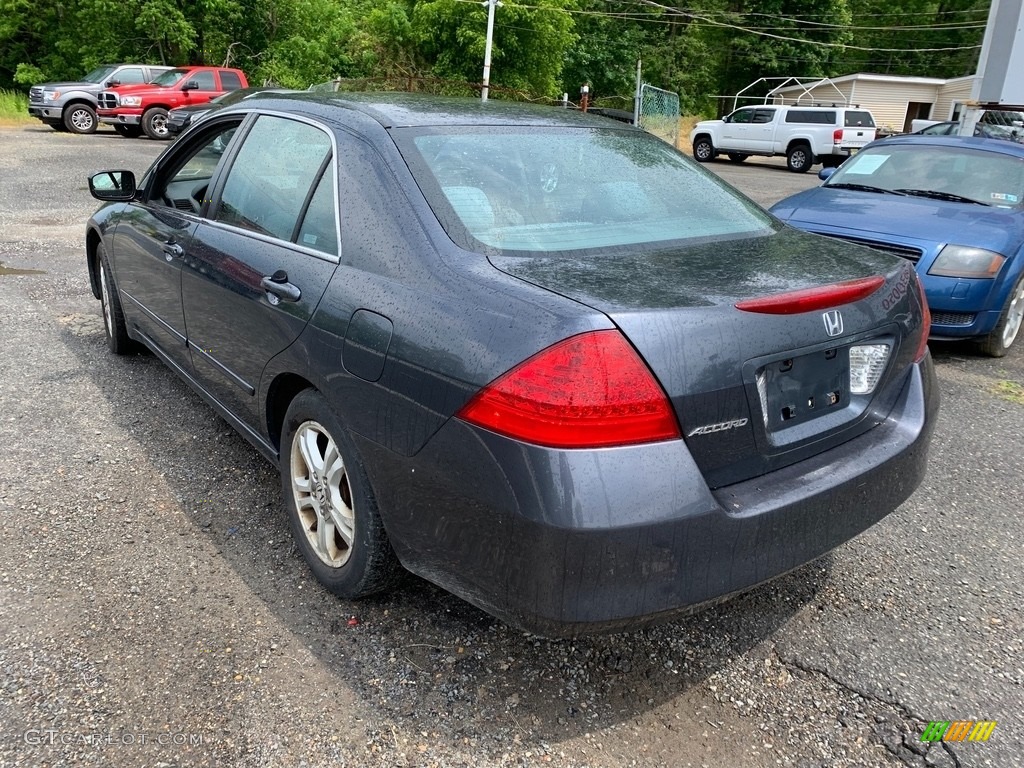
[833, 322]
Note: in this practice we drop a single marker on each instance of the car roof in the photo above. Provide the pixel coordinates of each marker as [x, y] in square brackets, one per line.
[974, 142]
[395, 110]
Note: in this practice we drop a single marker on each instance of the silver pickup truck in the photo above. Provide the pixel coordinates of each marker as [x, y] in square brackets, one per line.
[72, 106]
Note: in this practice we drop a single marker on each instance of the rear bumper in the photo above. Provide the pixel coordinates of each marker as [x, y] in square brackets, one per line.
[565, 542]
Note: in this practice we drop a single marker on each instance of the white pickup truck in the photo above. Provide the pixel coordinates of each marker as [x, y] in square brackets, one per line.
[805, 135]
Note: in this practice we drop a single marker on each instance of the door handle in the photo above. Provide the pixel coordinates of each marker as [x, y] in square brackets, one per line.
[172, 250]
[279, 288]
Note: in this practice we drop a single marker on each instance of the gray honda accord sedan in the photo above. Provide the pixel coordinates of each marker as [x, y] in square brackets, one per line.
[536, 357]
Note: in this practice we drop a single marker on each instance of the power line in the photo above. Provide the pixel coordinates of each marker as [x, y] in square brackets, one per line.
[820, 43]
[761, 31]
[827, 15]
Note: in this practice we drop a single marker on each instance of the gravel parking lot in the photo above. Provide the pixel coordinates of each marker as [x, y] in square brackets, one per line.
[154, 611]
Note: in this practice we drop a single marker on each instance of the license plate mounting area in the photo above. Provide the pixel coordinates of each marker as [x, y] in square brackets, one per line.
[798, 389]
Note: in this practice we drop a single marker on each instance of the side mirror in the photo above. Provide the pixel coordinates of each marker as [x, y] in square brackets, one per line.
[191, 85]
[727, 119]
[113, 83]
[824, 173]
[112, 185]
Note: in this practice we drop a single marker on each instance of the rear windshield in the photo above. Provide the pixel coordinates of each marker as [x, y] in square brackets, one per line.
[859, 119]
[545, 190]
[823, 116]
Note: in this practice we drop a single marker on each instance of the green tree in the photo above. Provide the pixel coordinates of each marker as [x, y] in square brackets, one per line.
[912, 27]
[529, 45]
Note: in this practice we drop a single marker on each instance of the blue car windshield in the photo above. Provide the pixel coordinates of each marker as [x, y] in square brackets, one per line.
[977, 175]
[549, 190]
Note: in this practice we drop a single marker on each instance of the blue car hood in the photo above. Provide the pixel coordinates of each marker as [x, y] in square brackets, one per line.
[874, 216]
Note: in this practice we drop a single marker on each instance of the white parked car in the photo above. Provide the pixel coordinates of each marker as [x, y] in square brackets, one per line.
[805, 135]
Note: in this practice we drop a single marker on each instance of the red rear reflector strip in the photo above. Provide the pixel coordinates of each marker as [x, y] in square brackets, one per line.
[588, 391]
[926, 322]
[810, 299]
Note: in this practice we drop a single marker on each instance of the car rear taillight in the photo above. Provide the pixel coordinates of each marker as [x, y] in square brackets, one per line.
[588, 391]
[810, 299]
[926, 322]
[837, 136]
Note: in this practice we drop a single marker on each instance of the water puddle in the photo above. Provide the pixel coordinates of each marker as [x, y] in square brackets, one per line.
[12, 271]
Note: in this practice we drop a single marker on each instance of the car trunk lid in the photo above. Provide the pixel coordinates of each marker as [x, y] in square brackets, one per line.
[731, 374]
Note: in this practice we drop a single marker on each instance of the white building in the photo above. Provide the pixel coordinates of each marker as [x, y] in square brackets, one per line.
[894, 100]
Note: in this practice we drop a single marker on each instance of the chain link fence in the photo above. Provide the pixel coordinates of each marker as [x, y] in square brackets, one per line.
[659, 113]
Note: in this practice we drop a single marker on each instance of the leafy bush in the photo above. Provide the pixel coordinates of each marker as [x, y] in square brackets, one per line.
[28, 75]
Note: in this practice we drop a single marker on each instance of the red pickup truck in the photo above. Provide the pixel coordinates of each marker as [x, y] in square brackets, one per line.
[132, 109]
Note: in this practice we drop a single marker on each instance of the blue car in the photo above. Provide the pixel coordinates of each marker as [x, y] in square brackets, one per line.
[953, 206]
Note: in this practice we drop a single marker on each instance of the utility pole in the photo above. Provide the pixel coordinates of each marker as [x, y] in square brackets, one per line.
[491, 5]
[638, 94]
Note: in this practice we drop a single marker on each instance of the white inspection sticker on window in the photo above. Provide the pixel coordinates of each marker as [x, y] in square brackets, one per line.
[1004, 196]
[867, 164]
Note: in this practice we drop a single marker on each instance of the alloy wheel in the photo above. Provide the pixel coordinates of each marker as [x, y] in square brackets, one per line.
[159, 125]
[323, 496]
[1014, 316]
[82, 120]
[108, 321]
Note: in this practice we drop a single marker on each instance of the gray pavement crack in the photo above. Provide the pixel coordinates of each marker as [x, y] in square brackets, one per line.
[811, 669]
[952, 753]
[902, 709]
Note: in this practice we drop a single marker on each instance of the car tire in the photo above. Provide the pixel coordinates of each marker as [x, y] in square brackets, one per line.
[128, 131]
[80, 118]
[799, 158]
[118, 340]
[1007, 329]
[331, 506]
[737, 157]
[703, 150]
[154, 123]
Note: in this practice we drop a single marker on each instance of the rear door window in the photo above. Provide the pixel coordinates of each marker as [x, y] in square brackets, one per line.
[269, 186]
[319, 224]
[130, 75]
[859, 119]
[763, 115]
[229, 81]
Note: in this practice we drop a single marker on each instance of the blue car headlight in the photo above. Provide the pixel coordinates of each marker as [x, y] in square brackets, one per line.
[966, 261]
